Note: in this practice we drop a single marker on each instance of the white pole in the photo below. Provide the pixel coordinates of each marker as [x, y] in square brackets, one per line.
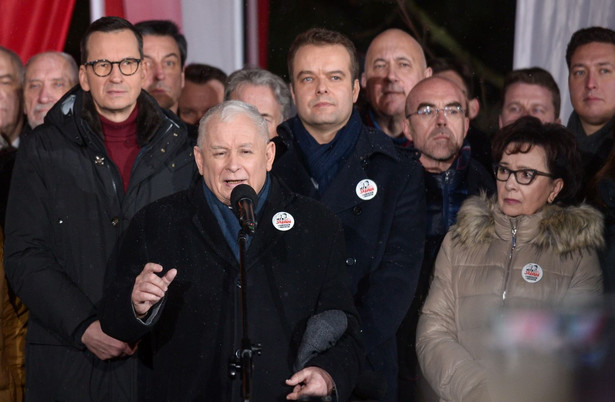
[252, 32]
[97, 9]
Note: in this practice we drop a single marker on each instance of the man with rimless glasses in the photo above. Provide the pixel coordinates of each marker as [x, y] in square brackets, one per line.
[106, 151]
[437, 123]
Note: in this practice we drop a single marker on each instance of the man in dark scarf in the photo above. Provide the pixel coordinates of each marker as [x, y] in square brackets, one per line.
[375, 188]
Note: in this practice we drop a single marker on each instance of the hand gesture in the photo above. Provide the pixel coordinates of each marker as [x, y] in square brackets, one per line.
[104, 346]
[311, 381]
[150, 288]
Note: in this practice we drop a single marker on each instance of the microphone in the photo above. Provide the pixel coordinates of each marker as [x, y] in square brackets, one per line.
[243, 203]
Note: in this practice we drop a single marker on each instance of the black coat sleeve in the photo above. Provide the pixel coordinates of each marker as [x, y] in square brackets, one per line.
[117, 317]
[32, 267]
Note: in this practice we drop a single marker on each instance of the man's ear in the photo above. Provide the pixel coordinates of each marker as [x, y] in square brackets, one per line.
[83, 79]
[198, 158]
[355, 90]
[270, 154]
[363, 80]
[474, 108]
[405, 127]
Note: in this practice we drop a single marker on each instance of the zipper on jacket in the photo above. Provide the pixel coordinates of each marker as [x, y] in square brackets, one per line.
[446, 182]
[113, 182]
[143, 151]
[513, 246]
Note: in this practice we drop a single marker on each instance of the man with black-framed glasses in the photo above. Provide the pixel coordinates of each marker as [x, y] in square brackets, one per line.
[437, 123]
[107, 150]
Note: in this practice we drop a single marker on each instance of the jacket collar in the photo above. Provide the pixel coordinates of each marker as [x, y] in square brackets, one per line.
[565, 229]
[341, 193]
[266, 236]
[371, 141]
[77, 107]
[76, 118]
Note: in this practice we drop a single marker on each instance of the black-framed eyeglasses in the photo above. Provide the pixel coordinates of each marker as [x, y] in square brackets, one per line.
[103, 68]
[428, 112]
[523, 176]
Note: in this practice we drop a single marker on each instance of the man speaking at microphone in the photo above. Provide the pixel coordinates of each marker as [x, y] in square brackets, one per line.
[177, 281]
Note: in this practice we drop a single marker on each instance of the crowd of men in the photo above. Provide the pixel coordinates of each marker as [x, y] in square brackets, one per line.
[120, 236]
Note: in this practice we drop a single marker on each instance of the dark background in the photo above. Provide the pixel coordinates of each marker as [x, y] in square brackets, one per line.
[478, 32]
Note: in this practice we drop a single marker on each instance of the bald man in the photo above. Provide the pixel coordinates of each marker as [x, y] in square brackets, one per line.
[49, 75]
[437, 123]
[394, 63]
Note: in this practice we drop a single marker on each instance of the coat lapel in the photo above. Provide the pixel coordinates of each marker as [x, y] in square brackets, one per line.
[267, 237]
[291, 169]
[341, 194]
[206, 224]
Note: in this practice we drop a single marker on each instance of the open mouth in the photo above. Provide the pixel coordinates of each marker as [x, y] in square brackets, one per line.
[232, 182]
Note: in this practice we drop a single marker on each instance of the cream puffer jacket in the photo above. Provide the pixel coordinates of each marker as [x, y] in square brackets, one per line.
[488, 261]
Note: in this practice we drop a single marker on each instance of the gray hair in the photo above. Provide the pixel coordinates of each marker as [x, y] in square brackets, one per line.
[229, 110]
[73, 70]
[257, 76]
[16, 62]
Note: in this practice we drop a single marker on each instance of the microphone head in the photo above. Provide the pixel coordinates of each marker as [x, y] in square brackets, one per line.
[243, 203]
[242, 192]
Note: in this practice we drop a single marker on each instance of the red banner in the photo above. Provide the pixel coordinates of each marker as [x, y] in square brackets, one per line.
[114, 8]
[34, 26]
[263, 32]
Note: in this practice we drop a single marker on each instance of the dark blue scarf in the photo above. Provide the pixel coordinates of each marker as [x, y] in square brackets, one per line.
[228, 221]
[325, 160]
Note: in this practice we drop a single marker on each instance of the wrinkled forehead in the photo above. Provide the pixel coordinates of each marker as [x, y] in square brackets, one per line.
[524, 90]
[593, 52]
[315, 55]
[394, 45]
[437, 91]
[112, 45]
[233, 129]
[7, 65]
[47, 63]
[453, 76]
[165, 43]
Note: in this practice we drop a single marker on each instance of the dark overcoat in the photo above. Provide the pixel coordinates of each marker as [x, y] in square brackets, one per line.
[384, 235]
[67, 208]
[291, 276]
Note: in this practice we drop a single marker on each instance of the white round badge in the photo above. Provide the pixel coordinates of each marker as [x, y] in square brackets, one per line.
[283, 221]
[366, 189]
[531, 273]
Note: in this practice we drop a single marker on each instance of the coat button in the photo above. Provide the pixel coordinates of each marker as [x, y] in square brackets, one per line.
[115, 221]
[357, 210]
[350, 261]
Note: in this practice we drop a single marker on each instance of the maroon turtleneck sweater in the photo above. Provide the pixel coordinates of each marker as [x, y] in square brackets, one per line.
[121, 143]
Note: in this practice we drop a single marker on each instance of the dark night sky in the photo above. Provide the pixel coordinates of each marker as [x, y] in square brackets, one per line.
[481, 31]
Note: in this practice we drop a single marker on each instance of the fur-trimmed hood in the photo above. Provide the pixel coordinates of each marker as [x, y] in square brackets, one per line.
[564, 229]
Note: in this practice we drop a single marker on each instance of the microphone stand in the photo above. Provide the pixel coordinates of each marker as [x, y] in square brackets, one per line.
[242, 360]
